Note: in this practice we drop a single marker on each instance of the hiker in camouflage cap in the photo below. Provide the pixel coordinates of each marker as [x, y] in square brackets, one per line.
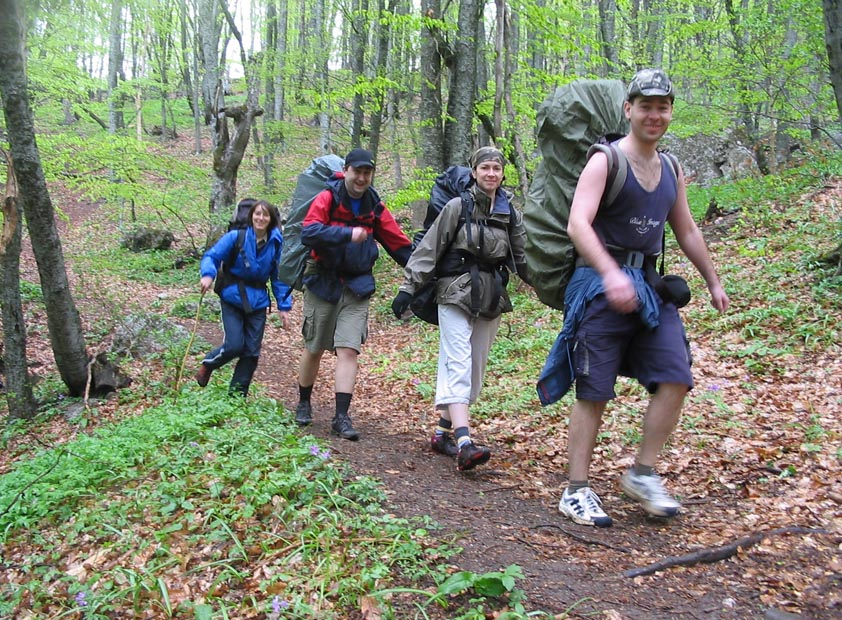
[616, 321]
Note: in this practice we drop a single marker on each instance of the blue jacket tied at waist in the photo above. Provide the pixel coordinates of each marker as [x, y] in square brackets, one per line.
[559, 370]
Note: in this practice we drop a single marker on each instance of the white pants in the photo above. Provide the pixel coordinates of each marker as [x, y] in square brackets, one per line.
[464, 343]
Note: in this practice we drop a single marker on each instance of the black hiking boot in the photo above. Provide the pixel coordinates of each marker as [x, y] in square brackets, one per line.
[304, 413]
[342, 426]
[203, 375]
[444, 444]
[471, 455]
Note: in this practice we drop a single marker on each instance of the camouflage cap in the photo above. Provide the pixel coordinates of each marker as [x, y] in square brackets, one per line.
[650, 83]
[487, 153]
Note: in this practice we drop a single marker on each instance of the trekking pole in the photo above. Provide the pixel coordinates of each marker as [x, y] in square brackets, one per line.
[189, 345]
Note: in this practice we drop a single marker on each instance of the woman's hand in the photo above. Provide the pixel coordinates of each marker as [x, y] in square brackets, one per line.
[206, 283]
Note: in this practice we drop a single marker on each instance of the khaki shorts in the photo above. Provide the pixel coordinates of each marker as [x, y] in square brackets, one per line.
[330, 326]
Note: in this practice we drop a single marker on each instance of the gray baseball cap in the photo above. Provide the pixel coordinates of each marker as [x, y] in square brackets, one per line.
[650, 83]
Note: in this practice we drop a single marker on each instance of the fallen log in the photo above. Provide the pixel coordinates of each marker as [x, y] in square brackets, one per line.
[723, 552]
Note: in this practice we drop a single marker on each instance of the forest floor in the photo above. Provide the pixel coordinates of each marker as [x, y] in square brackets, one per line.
[745, 478]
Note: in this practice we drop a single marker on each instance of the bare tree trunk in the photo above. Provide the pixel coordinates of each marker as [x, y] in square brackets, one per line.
[384, 31]
[833, 42]
[519, 155]
[499, 68]
[114, 60]
[458, 126]
[431, 153]
[19, 398]
[208, 30]
[228, 153]
[608, 33]
[63, 322]
[230, 147]
[357, 41]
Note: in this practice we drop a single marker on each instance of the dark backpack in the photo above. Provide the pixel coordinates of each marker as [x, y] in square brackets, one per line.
[240, 222]
[311, 182]
[576, 121]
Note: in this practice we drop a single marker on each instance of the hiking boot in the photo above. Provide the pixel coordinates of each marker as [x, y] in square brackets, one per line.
[304, 413]
[342, 426]
[444, 444]
[203, 375]
[650, 492]
[584, 507]
[470, 455]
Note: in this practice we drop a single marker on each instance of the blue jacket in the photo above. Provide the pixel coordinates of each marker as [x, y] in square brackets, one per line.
[559, 370]
[249, 266]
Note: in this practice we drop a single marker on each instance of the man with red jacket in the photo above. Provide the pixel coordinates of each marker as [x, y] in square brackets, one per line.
[341, 227]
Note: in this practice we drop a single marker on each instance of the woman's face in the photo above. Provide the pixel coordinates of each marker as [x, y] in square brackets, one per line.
[260, 220]
[489, 176]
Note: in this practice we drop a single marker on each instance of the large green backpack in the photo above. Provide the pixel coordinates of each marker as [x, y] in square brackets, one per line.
[575, 121]
[311, 182]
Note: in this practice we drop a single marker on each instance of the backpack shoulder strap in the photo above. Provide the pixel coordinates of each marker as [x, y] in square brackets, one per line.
[618, 167]
[673, 160]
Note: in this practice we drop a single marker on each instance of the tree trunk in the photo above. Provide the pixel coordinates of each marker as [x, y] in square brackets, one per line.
[384, 30]
[63, 322]
[608, 34]
[19, 397]
[833, 42]
[458, 127]
[228, 152]
[115, 120]
[431, 153]
[209, 29]
[519, 155]
[357, 44]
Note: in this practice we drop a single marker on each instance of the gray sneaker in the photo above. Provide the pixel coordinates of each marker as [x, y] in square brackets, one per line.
[304, 413]
[650, 492]
[342, 426]
[584, 507]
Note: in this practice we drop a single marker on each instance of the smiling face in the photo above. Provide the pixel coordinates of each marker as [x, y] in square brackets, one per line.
[358, 180]
[260, 220]
[489, 176]
[649, 117]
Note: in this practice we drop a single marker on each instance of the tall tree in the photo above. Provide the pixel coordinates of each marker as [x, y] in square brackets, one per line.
[458, 128]
[63, 322]
[833, 42]
[229, 144]
[19, 398]
[115, 61]
[357, 41]
[433, 44]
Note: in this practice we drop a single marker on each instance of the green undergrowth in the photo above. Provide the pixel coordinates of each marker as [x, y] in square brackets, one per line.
[214, 490]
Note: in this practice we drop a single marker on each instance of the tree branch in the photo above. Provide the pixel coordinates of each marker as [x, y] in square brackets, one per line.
[708, 556]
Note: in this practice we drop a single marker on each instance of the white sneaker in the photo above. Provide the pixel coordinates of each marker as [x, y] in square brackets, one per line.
[650, 492]
[584, 507]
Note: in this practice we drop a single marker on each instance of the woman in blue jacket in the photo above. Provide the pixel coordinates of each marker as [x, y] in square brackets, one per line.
[244, 296]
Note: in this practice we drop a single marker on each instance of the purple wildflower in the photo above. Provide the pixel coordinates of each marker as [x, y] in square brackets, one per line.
[314, 450]
[80, 599]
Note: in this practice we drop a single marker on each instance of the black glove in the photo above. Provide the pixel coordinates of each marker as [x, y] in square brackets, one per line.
[401, 303]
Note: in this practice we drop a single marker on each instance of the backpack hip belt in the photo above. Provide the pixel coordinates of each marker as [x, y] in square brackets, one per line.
[629, 258]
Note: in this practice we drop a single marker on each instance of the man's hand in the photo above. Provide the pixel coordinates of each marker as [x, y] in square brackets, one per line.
[284, 319]
[358, 234]
[620, 292]
[718, 298]
[401, 304]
